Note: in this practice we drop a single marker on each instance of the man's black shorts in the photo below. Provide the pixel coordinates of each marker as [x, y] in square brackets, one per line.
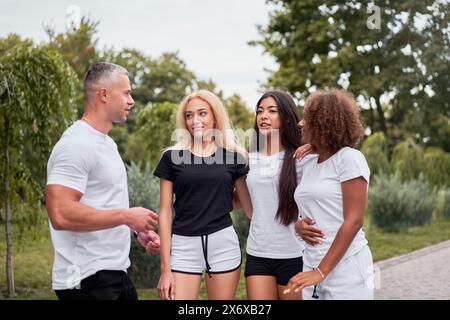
[103, 285]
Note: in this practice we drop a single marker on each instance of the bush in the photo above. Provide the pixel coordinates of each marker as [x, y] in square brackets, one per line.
[437, 167]
[241, 225]
[395, 205]
[374, 149]
[145, 269]
[155, 126]
[443, 204]
[407, 160]
[143, 189]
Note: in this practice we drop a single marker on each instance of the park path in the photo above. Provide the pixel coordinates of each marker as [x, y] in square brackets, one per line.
[422, 274]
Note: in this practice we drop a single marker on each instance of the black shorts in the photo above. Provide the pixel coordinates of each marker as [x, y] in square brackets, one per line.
[281, 269]
[103, 285]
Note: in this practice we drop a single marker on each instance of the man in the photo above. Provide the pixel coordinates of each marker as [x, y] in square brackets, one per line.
[87, 197]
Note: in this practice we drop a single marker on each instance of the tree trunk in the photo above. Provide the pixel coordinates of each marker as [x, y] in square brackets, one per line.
[381, 116]
[372, 119]
[9, 246]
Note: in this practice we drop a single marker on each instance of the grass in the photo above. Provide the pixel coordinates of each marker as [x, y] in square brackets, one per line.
[33, 259]
[385, 245]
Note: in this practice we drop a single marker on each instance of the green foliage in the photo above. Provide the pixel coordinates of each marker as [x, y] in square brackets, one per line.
[165, 79]
[407, 160]
[395, 205]
[436, 167]
[385, 245]
[438, 130]
[155, 82]
[76, 45]
[210, 86]
[145, 269]
[143, 189]
[12, 42]
[36, 103]
[322, 44]
[443, 204]
[375, 150]
[155, 126]
[242, 225]
[169, 80]
[240, 115]
[120, 135]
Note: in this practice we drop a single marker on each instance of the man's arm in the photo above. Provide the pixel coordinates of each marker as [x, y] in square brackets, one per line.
[67, 213]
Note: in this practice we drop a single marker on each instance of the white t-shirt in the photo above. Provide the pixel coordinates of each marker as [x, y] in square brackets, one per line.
[319, 197]
[88, 161]
[267, 237]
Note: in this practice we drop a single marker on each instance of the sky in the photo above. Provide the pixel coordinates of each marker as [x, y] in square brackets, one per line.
[211, 36]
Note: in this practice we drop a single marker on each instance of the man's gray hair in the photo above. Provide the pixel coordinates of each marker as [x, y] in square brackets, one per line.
[101, 71]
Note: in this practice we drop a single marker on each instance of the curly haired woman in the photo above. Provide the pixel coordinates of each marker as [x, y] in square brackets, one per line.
[332, 193]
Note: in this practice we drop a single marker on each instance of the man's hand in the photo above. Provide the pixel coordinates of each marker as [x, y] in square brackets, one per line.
[150, 241]
[141, 219]
[310, 234]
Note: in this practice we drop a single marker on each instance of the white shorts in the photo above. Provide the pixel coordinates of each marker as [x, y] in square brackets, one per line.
[351, 279]
[218, 252]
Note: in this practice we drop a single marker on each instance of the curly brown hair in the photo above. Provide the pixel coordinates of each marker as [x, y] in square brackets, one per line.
[333, 119]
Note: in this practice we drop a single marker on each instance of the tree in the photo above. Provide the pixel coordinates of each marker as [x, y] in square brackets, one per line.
[166, 79]
[240, 115]
[6, 44]
[77, 46]
[437, 167]
[154, 81]
[37, 102]
[155, 126]
[408, 160]
[144, 192]
[375, 150]
[322, 44]
[11, 41]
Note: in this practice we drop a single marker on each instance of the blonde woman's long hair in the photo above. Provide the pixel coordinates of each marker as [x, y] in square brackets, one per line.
[227, 138]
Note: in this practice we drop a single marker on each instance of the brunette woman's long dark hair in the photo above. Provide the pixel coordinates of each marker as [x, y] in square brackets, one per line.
[290, 139]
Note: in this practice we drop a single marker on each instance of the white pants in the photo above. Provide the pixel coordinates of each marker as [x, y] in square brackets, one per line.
[351, 279]
[218, 252]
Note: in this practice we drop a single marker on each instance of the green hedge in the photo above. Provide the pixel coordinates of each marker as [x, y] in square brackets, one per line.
[395, 205]
[375, 150]
[143, 189]
[443, 204]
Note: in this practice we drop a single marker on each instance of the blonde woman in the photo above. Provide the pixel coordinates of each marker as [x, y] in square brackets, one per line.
[201, 170]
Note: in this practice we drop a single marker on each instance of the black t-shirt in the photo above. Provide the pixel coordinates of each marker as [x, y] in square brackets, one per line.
[203, 188]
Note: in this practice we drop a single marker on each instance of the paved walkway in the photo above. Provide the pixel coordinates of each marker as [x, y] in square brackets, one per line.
[422, 274]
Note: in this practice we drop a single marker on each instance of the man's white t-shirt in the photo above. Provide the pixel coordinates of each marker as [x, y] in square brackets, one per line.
[319, 197]
[88, 161]
[267, 237]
